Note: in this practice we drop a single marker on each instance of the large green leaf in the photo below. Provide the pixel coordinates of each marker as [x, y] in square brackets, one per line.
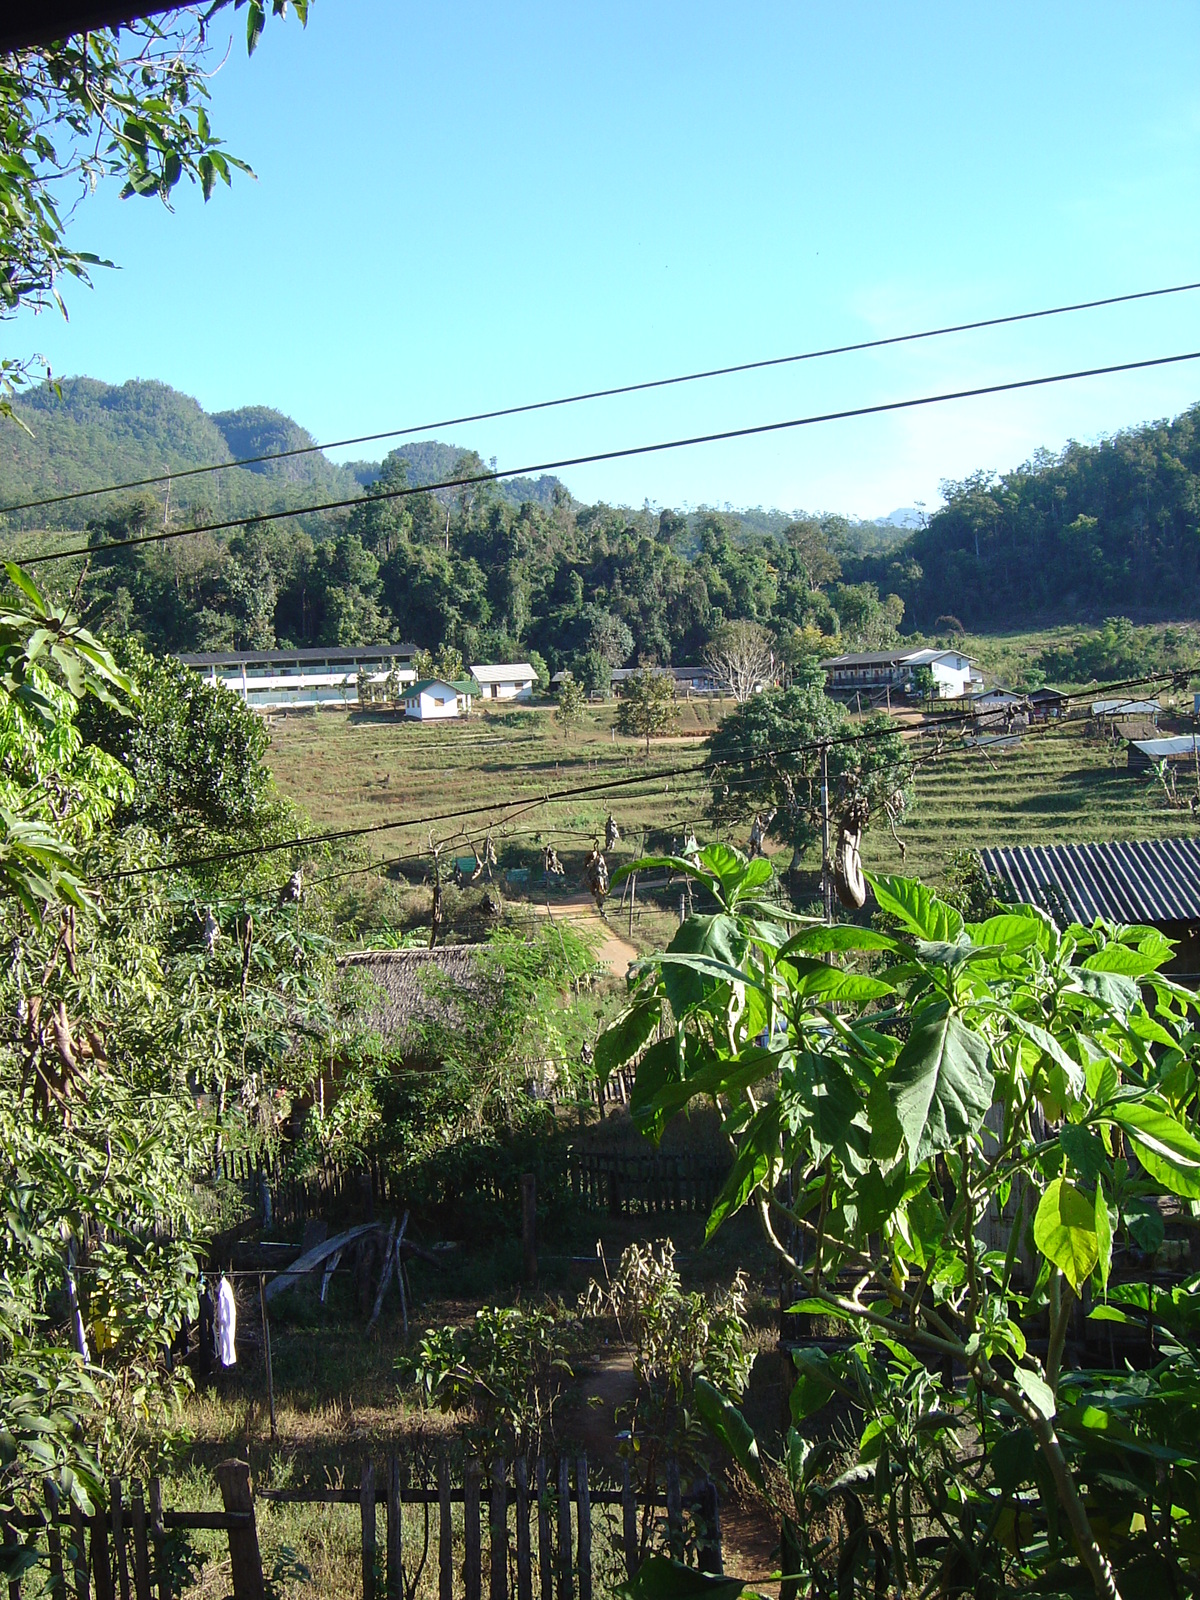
[622, 1039]
[1013, 929]
[1049, 1046]
[1113, 990]
[819, 982]
[660, 1578]
[1064, 1230]
[1120, 958]
[819, 1094]
[941, 1086]
[704, 953]
[1169, 1153]
[653, 1108]
[842, 936]
[754, 1164]
[917, 908]
[727, 1424]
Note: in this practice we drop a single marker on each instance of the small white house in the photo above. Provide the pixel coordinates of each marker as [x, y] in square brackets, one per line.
[512, 681]
[434, 698]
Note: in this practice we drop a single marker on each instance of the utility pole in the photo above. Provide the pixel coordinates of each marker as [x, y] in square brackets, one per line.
[826, 896]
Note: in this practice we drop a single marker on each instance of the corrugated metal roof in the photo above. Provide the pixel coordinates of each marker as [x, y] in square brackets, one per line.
[1149, 880]
[1125, 708]
[1182, 744]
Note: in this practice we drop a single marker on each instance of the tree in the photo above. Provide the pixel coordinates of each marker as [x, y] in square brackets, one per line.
[571, 701]
[867, 622]
[809, 545]
[446, 664]
[860, 1132]
[742, 657]
[924, 682]
[648, 707]
[128, 103]
[765, 757]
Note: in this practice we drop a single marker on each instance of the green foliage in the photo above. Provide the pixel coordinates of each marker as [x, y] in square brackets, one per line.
[503, 1372]
[916, 1214]
[447, 664]
[571, 701]
[647, 709]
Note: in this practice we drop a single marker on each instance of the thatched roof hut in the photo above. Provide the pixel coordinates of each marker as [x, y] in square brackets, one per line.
[412, 986]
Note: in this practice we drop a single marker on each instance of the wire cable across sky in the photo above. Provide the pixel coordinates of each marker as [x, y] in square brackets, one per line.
[259, 519]
[605, 394]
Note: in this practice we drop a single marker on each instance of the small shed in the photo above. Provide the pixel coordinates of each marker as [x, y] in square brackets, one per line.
[1107, 713]
[1145, 754]
[433, 699]
[415, 987]
[1046, 705]
[1151, 882]
[510, 681]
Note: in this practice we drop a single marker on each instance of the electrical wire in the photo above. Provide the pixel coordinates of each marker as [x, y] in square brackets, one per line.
[604, 786]
[261, 518]
[605, 394]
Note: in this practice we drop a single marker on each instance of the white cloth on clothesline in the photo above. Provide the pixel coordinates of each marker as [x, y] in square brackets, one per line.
[226, 1324]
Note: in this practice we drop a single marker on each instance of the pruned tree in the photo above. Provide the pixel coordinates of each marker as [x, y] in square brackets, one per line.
[742, 656]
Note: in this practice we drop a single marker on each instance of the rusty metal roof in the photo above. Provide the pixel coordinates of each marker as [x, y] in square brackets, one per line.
[1148, 880]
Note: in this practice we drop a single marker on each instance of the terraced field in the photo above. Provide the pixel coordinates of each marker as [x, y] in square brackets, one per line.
[1059, 785]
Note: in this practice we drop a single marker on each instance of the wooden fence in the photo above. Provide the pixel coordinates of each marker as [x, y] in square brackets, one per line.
[622, 1182]
[122, 1553]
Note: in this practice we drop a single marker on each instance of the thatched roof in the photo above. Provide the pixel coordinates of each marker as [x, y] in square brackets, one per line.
[410, 981]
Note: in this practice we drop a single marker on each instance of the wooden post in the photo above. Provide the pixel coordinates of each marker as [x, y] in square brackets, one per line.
[632, 898]
[498, 1528]
[445, 1532]
[116, 1513]
[674, 1511]
[709, 1553]
[58, 1583]
[529, 1225]
[545, 1555]
[566, 1589]
[266, 1327]
[524, 1564]
[473, 1562]
[583, 1531]
[366, 1505]
[12, 1540]
[102, 1572]
[629, 1521]
[159, 1531]
[395, 1532]
[79, 1560]
[141, 1547]
[245, 1561]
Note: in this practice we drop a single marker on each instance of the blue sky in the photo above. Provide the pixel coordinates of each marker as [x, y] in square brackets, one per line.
[461, 206]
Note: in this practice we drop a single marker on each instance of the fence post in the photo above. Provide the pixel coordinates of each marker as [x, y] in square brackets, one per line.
[473, 1564]
[583, 1513]
[445, 1532]
[524, 1563]
[674, 1510]
[58, 1583]
[102, 1573]
[395, 1531]
[498, 1531]
[245, 1561]
[366, 1502]
[629, 1521]
[79, 1558]
[709, 1554]
[566, 1589]
[141, 1550]
[117, 1516]
[545, 1555]
[158, 1529]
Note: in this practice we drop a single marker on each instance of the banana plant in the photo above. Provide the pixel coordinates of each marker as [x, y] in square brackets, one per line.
[959, 1139]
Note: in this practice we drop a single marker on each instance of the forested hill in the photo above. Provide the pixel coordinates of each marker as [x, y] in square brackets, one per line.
[93, 433]
[1110, 528]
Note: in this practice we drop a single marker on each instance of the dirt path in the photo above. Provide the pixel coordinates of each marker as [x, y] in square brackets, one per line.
[580, 910]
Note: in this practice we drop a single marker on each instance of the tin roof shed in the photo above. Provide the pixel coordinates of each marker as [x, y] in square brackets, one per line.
[1151, 881]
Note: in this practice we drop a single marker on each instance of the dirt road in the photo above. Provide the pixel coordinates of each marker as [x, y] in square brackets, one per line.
[580, 911]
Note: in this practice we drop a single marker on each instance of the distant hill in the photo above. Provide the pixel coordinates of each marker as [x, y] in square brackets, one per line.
[431, 461]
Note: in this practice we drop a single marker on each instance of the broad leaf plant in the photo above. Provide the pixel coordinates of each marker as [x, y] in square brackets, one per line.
[960, 1140]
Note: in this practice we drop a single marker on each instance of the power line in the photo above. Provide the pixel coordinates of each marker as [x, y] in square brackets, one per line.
[604, 786]
[262, 517]
[604, 394]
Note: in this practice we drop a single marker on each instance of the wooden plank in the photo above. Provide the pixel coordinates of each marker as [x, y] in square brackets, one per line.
[566, 1587]
[245, 1561]
[102, 1573]
[445, 1532]
[498, 1531]
[79, 1560]
[395, 1541]
[158, 1532]
[116, 1512]
[674, 1511]
[524, 1563]
[58, 1582]
[583, 1513]
[545, 1555]
[473, 1562]
[141, 1548]
[366, 1501]
[629, 1527]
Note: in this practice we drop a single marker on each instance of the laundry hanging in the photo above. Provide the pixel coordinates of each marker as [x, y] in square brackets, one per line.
[226, 1323]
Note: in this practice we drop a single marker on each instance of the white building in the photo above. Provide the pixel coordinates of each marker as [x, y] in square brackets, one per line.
[894, 671]
[271, 679]
[435, 699]
[513, 681]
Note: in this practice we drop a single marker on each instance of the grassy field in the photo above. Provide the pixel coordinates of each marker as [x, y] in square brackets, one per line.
[1061, 784]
